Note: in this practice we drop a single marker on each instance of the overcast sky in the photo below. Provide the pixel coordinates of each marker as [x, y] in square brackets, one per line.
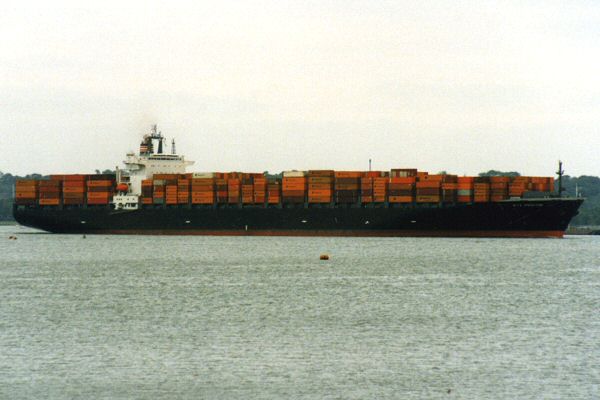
[274, 85]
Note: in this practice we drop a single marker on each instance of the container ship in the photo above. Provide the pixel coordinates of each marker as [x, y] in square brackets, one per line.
[154, 194]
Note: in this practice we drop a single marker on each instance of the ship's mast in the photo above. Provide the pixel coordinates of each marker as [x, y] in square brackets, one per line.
[560, 174]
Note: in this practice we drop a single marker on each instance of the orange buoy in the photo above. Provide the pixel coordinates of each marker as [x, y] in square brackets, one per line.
[122, 187]
[324, 257]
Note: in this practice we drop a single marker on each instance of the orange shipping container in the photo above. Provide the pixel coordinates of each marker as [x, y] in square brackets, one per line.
[74, 184]
[319, 199]
[346, 186]
[320, 193]
[431, 178]
[100, 183]
[405, 180]
[348, 174]
[26, 182]
[323, 180]
[67, 189]
[25, 195]
[98, 195]
[75, 178]
[321, 173]
[428, 184]
[32, 189]
[428, 199]
[400, 199]
[49, 202]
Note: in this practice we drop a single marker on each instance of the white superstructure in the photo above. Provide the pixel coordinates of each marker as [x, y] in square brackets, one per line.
[145, 165]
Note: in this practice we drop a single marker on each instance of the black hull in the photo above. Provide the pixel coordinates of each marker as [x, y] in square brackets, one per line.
[514, 218]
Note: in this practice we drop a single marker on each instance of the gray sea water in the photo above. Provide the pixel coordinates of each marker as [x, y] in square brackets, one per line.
[150, 317]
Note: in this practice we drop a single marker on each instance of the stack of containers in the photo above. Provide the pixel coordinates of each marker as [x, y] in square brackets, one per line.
[499, 188]
[320, 186]
[366, 189]
[49, 192]
[260, 189]
[233, 189]
[550, 183]
[203, 188]
[158, 192]
[373, 186]
[401, 188]
[100, 189]
[274, 192]
[449, 188]
[380, 189]
[221, 188]
[518, 186]
[183, 190]
[293, 187]
[542, 184]
[465, 189]
[171, 190]
[26, 191]
[481, 189]
[73, 189]
[347, 186]
[247, 189]
[428, 188]
[147, 191]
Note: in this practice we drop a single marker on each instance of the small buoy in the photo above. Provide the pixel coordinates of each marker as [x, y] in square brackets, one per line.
[324, 257]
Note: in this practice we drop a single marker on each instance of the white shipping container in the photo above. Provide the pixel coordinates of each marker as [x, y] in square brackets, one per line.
[294, 174]
[203, 175]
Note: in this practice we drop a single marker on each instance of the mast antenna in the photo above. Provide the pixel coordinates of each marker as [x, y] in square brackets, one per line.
[173, 147]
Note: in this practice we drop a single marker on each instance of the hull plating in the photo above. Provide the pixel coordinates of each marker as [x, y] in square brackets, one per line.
[518, 218]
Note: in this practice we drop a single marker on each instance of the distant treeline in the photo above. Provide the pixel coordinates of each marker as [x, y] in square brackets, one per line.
[587, 186]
